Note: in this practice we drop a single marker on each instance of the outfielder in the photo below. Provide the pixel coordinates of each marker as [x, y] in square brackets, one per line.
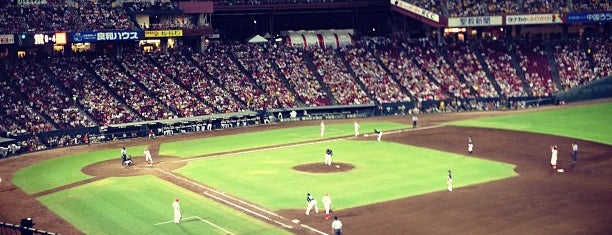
[148, 157]
[311, 203]
[356, 125]
[328, 157]
[177, 211]
[327, 202]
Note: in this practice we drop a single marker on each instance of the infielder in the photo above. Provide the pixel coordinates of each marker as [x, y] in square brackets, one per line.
[311, 203]
[177, 211]
[148, 157]
[574, 152]
[322, 128]
[414, 121]
[328, 157]
[356, 125]
[378, 135]
[470, 145]
[553, 157]
[327, 202]
[449, 181]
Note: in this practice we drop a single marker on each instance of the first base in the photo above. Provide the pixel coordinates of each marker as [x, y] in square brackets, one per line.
[560, 170]
[295, 221]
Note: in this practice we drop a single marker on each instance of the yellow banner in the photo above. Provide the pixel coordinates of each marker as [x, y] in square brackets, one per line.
[164, 33]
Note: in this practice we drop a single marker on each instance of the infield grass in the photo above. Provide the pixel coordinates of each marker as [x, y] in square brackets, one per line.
[212, 145]
[142, 205]
[587, 122]
[65, 170]
[384, 171]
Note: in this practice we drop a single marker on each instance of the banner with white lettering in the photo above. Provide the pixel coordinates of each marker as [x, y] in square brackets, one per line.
[107, 36]
[553, 18]
[474, 21]
[416, 10]
[589, 17]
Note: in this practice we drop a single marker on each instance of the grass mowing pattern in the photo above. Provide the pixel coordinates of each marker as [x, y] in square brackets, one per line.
[197, 147]
[589, 122]
[384, 171]
[62, 171]
[133, 205]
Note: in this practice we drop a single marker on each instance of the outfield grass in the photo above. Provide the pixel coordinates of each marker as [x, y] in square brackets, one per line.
[588, 122]
[212, 145]
[384, 171]
[65, 170]
[134, 205]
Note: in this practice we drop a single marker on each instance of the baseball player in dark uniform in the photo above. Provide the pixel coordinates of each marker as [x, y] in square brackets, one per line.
[449, 181]
[312, 202]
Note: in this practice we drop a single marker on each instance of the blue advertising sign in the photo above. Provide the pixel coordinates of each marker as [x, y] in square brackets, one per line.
[107, 36]
[589, 17]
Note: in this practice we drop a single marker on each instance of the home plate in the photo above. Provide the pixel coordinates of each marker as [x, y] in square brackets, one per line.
[560, 170]
[295, 221]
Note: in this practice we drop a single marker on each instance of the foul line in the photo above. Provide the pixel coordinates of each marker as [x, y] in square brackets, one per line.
[221, 194]
[203, 220]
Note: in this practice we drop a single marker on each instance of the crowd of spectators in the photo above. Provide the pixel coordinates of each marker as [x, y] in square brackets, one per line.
[468, 66]
[100, 15]
[461, 8]
[602, 57]
[18, 117]
[342, 85]
[89, 91]
[535, 66]
[291, 62]
[42, 93]
[257, 60]
[573, 64]
[399, 61]
[272, 2]
[430, 58]
[499, 61]
[179, 101]
[49, 17]
[187, 74]
[127, 89]
[380, 85]
[217, 62]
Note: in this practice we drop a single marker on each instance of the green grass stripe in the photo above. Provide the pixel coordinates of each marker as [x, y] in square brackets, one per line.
[588, 122]
[133, 205]
[65, 170]
[384, 171]
[196, 147]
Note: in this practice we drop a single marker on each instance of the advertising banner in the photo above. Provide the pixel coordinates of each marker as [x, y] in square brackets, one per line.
[554, 18]
[416, 10]
[589, 17]
[163, 33]
[474, 21]
[106, 36]
[7, 39]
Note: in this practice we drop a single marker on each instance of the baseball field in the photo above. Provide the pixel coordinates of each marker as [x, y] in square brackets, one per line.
[254, 180]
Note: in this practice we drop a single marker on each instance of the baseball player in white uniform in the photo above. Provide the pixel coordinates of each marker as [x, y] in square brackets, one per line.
[311, 203]
[328, 157]
[449, 181]
[553, 157]
[378, 135]
[322, 128]
[177, 211]
[356, 125]
[327, 202]
[148, 157]
[470, 145]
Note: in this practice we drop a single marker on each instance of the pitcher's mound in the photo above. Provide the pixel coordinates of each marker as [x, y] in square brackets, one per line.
[322, 168]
